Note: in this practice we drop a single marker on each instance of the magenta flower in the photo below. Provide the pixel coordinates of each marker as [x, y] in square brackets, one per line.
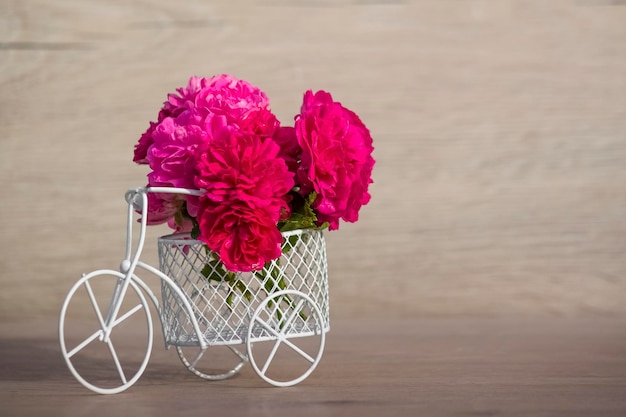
[219, 134]
[245, 238]
[241, 167]
[230, 97]
[259, 122]
[162, 207]
[290, 150]
[185, 99]
[172, 156]
[337, 158]
[173, 107]
[185, 225]
[141, 148]
[246, 185]
[204, 99]
[146, 140]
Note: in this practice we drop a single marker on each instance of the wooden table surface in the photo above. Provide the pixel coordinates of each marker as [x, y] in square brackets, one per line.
[429, 367]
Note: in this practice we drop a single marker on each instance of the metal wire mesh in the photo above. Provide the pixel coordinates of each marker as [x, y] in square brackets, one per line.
[224, 302]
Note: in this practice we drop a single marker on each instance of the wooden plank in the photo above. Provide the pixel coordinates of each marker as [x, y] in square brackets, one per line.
[500, 134]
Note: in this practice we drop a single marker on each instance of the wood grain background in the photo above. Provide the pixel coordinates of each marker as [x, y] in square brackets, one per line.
[499, 126]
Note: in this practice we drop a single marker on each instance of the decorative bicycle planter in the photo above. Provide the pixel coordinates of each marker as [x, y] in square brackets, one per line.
[266, 191]
[203, 307]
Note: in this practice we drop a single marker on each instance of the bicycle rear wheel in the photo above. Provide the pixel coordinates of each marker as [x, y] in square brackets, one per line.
[226, 367]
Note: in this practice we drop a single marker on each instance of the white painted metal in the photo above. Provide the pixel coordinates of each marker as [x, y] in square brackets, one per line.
[103, 324]
[291, 303]
[206, 308]
[211, 374]
[224, 313]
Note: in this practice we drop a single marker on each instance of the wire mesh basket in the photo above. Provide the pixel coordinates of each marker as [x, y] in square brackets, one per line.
[224, 302]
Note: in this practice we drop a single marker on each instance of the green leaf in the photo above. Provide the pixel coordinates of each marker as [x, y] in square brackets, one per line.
[290, 243]
[214, 271]
[243, 288]
[323, 226]
[302, 214]
[195, 231]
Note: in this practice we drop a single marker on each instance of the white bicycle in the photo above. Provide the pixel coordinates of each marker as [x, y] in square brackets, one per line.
[278, 314]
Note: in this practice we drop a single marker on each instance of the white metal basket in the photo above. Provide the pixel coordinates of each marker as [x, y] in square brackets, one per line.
[224, 303]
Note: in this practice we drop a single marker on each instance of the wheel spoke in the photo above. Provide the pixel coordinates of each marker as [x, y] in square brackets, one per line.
[94, 303]
[292, 316]
[94, 289]
[298, 350]
[195, 360]
[84, 343]
[213, 374]
[287, 327]
[117, 362]
[270, 357]
[242, 356]
[282, 338]
[268, 327]
[128, 314]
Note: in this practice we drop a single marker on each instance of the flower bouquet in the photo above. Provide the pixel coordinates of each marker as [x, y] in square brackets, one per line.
[261, 180]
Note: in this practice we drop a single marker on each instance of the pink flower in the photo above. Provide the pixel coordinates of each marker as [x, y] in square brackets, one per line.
[290, 150]
[336, 158]
[172, 156]
[242, 167]
[185, 99]
[259, 122]
[246, 185]
[162, 207]
[141, 148]
[173, 107]
[204, 99]
[185, 226]
[227, 96]
[219, 134]
[245, 238]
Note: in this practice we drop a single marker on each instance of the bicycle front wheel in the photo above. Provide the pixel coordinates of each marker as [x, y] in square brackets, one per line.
[106, 362]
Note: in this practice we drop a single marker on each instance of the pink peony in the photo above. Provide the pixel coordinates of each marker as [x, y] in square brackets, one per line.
[187, 122]
[185, 226]
[246, 185]
[219, 134]
[185, 99]
[204, 99]
[245, 238]
[260, 122]
[141, 148]
[173, 107]
[162, 207]
[290, 150]
[241, 167]
[146, 140]
[230, 97]
[336, 160]
[172, 156]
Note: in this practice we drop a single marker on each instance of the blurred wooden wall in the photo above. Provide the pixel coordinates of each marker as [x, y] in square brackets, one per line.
[499, 126]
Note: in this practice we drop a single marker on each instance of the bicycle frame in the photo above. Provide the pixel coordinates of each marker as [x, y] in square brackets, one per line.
[118, 305]
[137, 200]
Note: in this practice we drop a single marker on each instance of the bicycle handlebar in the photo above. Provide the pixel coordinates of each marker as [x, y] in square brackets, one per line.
[134, 195]
[137, 199]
